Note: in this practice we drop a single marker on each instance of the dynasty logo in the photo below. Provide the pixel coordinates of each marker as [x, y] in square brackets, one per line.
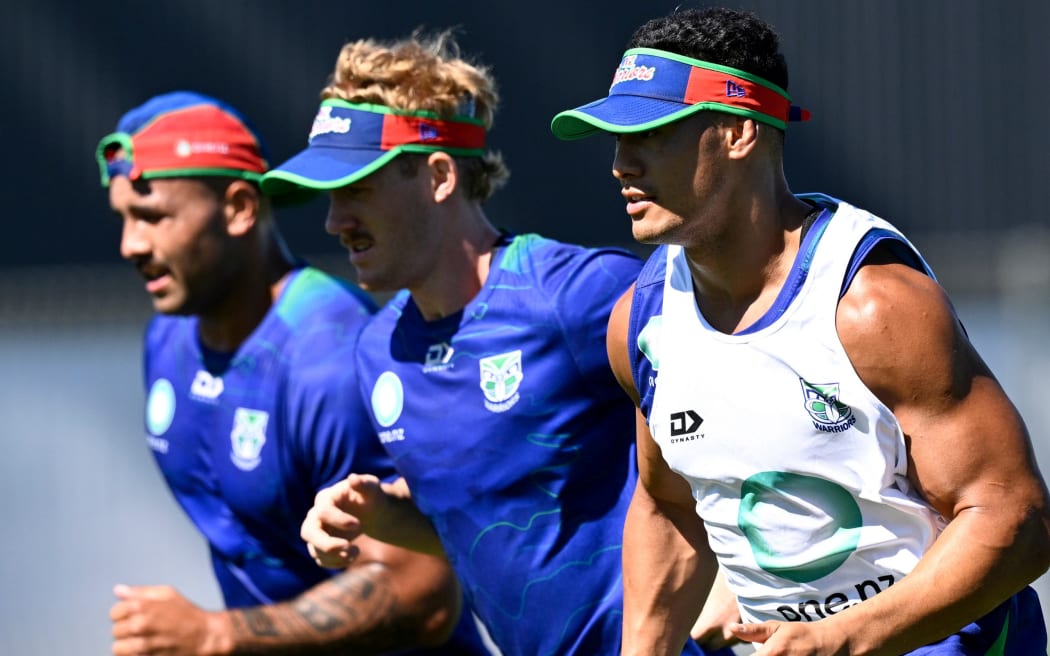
[684, 426]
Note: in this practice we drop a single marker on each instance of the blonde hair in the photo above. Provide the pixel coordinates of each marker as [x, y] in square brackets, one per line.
[424, 73]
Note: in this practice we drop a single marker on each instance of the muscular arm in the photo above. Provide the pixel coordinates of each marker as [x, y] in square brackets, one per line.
[389, 599]
[668, 567]
[970, 457]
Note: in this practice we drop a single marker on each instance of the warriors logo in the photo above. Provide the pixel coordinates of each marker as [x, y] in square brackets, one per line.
[501, 376]
[248, 437]
[828, 413]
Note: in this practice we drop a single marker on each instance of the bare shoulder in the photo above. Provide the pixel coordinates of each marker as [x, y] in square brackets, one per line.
[616, 343]
[901, 333]
[964, 437]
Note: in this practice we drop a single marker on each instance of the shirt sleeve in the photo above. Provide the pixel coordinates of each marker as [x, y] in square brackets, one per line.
[333, 434]
[585, 291]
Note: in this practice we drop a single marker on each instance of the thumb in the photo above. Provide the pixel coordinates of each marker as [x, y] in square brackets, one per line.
[124, 592]
[754, 632]
[362, 489]
[363, 482]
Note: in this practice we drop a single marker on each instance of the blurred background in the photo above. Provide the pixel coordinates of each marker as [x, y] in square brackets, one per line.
[931, 114]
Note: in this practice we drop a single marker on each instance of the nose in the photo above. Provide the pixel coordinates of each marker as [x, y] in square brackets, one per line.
[133, 240]
[625, 164]
[339, 218]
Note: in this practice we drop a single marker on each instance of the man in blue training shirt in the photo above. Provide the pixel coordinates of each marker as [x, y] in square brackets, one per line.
[252, 406]
[813, 417]
[487, 377]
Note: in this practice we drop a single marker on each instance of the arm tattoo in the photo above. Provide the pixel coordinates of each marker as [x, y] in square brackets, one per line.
[258, 622]
[320, 619]
[354, 609]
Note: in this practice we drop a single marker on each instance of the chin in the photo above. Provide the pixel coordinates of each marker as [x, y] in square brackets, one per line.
[648, 236]
[667, 231]
[172, 306]
[375, 284]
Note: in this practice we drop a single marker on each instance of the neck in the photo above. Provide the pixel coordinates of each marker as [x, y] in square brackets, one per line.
[737, 278]
[248, 297]
[462, 266]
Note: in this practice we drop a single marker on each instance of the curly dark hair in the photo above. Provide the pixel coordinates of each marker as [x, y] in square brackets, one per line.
[718, 35]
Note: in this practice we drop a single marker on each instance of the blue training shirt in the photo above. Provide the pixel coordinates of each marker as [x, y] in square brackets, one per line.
[246, 446]
[516, 440]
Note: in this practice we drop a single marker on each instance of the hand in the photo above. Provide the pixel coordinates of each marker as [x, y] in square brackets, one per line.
[712, 628]
[793, 638]
[339, 515]
[159, 620]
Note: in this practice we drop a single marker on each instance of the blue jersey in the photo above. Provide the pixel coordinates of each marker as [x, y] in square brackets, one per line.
[516, 441]
[246, 446]
[245, 443]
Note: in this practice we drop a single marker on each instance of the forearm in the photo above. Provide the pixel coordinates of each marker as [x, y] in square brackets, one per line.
[975, 565]
[667, 572]
[358, 611]
[404, 525]
[712, 628]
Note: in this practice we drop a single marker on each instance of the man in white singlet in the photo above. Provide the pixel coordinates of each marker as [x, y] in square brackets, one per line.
[812, 416]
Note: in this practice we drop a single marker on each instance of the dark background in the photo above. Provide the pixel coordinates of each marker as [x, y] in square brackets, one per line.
[930, 113]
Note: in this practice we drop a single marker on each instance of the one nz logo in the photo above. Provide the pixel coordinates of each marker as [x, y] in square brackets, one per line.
[828, 413]
[685, 426]
[501, 377]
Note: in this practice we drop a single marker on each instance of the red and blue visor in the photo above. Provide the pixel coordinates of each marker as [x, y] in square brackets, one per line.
[180, 134]
[349, 141]
[652, 88]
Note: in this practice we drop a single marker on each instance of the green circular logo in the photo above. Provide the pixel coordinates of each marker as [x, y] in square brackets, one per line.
[649, 340]
[160, 407]
[388, 399]
[800, 527]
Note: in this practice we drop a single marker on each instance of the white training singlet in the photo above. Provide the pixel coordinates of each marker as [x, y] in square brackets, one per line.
[799, 472]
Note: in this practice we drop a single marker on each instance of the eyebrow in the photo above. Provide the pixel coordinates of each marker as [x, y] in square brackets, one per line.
[139, 209]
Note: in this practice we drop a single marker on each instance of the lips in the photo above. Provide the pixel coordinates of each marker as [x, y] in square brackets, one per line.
[156, 285]
[637, 200]
[356, 242]
[361, 244]
[156, 278]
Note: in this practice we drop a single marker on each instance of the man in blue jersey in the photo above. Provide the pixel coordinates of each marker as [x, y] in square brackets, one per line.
[252, 407]
[813, 416]
[487, 377]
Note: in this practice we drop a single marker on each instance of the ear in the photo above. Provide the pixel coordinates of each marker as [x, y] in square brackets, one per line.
[241, 204]
[444, 176]
[741, 136]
